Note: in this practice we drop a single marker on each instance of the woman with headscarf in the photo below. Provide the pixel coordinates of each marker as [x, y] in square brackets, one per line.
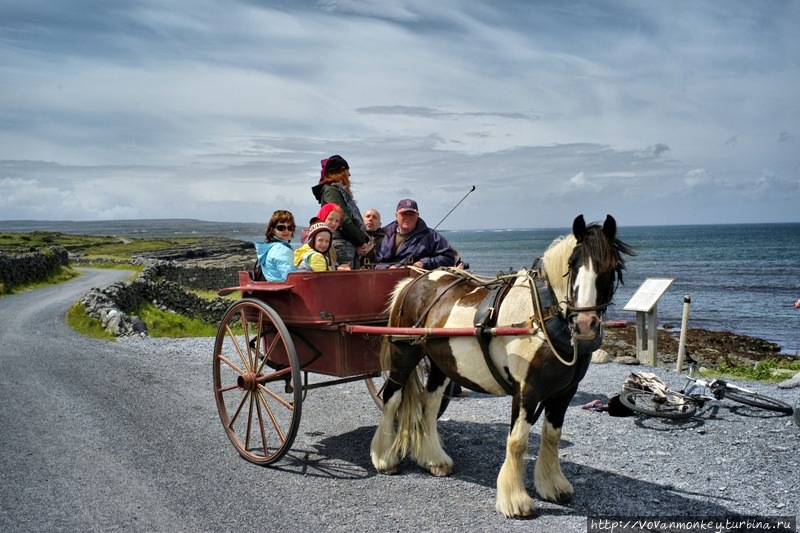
[351, 239]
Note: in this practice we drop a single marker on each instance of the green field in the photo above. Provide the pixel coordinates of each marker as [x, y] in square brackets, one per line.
[92, 246]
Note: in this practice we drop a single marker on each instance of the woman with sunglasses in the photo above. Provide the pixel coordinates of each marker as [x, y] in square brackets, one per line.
[351, 239]
[275, 256]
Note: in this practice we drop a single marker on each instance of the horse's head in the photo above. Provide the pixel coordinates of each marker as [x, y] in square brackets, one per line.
[595, 266]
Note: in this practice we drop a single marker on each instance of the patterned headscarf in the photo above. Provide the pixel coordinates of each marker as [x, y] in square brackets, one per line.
[334, 163]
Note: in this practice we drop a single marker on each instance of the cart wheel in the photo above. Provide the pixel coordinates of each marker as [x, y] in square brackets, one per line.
[257, 381]
[376, 385]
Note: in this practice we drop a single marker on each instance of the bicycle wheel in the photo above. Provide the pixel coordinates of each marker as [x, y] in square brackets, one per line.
[649, 403]
[758, 400]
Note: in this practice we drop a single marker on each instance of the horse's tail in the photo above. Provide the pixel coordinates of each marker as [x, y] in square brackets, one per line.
[410, 417]
[410, 413]
[395, 299]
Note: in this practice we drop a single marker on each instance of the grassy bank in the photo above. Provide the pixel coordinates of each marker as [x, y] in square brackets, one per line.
[108, 248]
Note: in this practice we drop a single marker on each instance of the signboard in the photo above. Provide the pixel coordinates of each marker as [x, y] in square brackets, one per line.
[648, 294]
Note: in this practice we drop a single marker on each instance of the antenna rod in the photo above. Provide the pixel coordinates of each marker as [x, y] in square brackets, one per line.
[454, 207]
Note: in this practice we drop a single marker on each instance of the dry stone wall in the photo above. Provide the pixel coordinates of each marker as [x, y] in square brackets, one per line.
[19, 268]
[114, 305]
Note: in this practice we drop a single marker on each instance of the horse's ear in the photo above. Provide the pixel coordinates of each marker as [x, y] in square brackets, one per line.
[610, 228]
[579, 227]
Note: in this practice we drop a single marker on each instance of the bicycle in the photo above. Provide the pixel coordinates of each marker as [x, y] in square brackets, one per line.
[647, 394]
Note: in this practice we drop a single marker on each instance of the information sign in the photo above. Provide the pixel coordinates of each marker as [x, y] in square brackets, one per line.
[648, 294]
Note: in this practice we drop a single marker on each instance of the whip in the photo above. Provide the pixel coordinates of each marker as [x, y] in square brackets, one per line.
[454, 207]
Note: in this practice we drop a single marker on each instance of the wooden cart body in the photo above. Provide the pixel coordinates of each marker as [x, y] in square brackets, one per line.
[316, 307]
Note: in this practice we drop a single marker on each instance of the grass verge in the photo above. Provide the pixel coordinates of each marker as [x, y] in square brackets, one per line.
[168, 324]
[78, 320]
[768, 370]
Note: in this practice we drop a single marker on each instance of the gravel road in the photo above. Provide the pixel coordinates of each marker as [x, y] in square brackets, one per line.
[125, 436]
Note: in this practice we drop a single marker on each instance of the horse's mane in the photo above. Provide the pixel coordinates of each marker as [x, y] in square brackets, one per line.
[608, 255]
[556, 263]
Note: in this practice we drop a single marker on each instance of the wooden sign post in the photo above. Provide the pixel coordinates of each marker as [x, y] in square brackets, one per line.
[644, 302]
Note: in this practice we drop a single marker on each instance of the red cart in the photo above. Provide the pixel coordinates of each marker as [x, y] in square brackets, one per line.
[277, 333]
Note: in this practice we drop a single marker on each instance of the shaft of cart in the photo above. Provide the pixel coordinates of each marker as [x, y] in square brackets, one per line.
[438, 332]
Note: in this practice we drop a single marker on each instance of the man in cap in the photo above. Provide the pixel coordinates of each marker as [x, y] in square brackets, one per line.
[409, 241]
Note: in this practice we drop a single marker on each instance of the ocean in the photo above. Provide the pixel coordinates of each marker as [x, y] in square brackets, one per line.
[741, 278]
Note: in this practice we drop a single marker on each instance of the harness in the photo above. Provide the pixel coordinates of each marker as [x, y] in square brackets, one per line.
[555, 328]
[485, 319]
[546, 317]
[424, 315]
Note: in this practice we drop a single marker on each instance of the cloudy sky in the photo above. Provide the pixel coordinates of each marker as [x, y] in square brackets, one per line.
[677, 112]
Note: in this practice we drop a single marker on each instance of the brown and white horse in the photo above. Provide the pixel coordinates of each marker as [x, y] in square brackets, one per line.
[561, 303]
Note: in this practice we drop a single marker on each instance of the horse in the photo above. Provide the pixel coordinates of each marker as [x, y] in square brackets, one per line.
[559, 302]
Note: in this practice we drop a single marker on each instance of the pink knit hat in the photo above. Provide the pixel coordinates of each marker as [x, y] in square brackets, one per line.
[326, 209]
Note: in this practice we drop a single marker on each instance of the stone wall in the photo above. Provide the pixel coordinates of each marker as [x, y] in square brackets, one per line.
[114, 304]
[209, 265]
[19, 268]
[198, 276]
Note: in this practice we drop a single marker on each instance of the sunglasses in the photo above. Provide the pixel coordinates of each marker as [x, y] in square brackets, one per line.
[284, 227]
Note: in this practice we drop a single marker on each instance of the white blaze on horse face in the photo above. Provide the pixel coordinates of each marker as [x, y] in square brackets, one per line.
[586, 296]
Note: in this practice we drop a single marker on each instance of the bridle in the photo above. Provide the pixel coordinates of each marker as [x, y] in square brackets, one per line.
[569, 315]
[573, 310]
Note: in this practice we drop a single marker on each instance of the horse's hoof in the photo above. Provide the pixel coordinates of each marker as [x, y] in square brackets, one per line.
[389, 471]
[521, 512]
[441, 471]
[564, 498]
[526, 515]
[560, 498]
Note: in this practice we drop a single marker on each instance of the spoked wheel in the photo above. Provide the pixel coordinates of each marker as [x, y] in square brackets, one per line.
[376, 385]
[758, 400]
[649, 403]
[257, 381]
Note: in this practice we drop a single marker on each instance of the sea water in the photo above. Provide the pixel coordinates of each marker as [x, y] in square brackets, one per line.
[740, 278]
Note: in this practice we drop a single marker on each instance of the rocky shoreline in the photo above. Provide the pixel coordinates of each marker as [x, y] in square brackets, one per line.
[709, 348]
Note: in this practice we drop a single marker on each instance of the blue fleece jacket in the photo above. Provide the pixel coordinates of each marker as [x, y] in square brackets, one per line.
[276, 259]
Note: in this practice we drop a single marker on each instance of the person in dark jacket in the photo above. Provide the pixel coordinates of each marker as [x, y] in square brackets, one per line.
[409, 241]
[351, 240]
[372, 221]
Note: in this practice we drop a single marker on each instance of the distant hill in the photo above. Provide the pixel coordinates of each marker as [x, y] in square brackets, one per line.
[177, 227]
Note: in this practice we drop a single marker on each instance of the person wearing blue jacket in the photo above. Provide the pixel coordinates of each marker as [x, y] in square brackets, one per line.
[409, 241]
[275, 256]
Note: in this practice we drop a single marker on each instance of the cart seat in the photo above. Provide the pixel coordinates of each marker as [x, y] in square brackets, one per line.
[325, 297]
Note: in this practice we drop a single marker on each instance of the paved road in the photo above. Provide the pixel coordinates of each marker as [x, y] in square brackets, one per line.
[124, 436]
